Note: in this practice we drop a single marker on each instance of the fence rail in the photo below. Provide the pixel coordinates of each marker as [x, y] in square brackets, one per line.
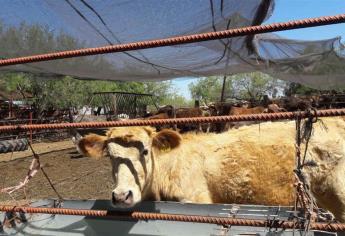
[194, 120]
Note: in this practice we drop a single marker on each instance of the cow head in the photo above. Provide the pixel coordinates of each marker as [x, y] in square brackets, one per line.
[132, 153]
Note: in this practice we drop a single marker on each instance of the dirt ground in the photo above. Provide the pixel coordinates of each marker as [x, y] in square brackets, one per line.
[74, 176]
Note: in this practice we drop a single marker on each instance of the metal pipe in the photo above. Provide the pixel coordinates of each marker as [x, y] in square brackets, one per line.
[251, 30]
[332, 227]
[193, 120]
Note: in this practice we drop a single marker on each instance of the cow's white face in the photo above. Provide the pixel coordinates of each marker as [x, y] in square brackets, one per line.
[130, 150]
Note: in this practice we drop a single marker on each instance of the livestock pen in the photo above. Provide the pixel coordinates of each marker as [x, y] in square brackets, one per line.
[243, 214]
[97, 217]
[131, 105]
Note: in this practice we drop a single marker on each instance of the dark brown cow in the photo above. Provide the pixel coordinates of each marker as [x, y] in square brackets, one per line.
[274, 108]
[295, 103]
[247, 111]
[168, 111]
[186, 113]
[159, 116]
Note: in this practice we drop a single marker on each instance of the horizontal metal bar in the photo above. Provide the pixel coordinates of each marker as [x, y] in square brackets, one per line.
[252, 30]
[125, 93]
[193, 120]
[332, 227]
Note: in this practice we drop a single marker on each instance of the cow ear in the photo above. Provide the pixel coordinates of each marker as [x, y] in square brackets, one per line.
[92, 145]
[166, 140]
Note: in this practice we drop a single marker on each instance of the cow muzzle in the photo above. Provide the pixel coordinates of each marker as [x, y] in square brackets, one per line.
[122, 198]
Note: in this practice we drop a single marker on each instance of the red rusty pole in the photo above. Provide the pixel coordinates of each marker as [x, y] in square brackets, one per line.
[135, 215]
[251, 30]
[192, 120]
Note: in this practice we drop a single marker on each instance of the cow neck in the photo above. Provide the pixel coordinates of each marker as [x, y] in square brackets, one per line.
[161, 167]
[148, 190]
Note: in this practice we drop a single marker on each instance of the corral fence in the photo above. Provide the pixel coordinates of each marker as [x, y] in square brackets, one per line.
[34, 136]
[276, 223]
[125, 105]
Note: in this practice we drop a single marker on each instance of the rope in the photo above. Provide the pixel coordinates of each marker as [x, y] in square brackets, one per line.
[192, 120]
[35, 166]
[36, 156]
[298, 24]
[304, 196]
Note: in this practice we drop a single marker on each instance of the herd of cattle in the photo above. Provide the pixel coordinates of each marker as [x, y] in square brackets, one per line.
[221, 109]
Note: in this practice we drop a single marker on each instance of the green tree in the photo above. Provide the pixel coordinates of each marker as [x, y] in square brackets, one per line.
[299, 89]
[206, 89]
[64, 91]
[253, 86]
[249, 86]
[12, 81]
[177, 100]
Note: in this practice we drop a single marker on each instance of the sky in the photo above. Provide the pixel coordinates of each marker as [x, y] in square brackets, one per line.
[287, 10]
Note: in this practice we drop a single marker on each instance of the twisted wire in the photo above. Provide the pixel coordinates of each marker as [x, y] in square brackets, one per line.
[297, 24]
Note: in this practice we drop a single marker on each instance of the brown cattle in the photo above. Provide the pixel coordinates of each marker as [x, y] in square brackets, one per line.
[228, 109]
[295, 103]
[206, 112]
[158, 116]
[186, 113]
[168, 111]
[274, 108]
[245, 111]
[252, 164]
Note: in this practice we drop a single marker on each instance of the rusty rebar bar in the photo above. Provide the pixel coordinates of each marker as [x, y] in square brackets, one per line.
[193, 120]
[297, 24]
[333, 227]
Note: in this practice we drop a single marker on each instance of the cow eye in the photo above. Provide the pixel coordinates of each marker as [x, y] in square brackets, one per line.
[145, 152]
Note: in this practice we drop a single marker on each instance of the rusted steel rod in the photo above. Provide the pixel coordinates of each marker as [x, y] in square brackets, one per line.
[333, 227]
[194, 120]
[297, 24]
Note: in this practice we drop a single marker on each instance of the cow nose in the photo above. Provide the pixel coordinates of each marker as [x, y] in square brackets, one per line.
[122, 197]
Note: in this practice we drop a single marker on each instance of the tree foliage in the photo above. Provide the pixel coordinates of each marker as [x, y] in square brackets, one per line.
[9, 82]
[206, 89]
[253, 86]
[27, 39]
[65, 92]
[299, 89]
[249, 86]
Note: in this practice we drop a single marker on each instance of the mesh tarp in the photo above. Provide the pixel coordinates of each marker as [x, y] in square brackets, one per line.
[37, 26]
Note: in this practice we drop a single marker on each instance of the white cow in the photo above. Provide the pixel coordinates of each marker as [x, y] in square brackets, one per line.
[252, 164]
